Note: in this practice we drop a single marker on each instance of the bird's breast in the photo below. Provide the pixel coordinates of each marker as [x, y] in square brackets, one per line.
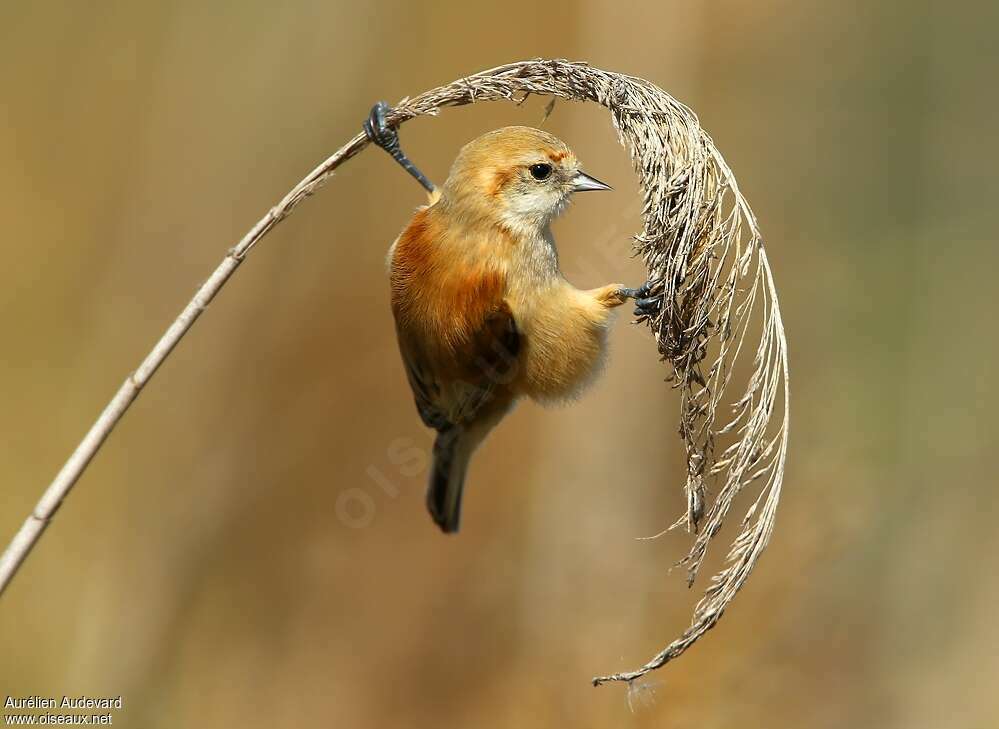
[444, 281]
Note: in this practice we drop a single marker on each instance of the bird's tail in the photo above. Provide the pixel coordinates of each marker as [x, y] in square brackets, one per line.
[452, 451]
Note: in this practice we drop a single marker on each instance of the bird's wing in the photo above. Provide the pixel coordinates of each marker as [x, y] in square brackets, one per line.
[452, 390]
[457, 334]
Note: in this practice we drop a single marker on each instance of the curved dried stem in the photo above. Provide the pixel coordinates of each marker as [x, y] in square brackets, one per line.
[706, 262]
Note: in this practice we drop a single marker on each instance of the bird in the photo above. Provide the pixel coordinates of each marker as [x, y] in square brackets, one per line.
[484, 316]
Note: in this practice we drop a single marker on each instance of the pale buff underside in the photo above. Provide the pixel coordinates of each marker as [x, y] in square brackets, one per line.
[563, 329]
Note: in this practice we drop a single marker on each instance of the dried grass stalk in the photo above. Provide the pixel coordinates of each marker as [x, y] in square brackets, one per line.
[705, 256]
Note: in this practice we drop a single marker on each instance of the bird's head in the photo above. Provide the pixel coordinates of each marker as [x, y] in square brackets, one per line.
[516, 176]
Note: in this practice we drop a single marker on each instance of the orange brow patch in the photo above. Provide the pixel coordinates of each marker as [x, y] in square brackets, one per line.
[556, 156]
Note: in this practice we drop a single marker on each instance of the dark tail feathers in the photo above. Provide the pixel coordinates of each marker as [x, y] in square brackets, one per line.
[452, 450]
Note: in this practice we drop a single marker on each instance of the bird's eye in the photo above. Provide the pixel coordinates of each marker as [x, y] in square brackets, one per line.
[541, 171]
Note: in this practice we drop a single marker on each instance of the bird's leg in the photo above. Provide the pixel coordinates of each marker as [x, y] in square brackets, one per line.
[613, 295]
[638, 293]
[388, 139]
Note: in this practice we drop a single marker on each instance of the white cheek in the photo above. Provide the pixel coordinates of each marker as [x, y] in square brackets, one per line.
[539, 206]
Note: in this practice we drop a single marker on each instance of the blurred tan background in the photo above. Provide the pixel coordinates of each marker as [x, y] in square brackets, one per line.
[251, 548]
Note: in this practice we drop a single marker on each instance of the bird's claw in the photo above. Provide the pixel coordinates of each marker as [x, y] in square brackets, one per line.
[626, 293]
[646, 306]
[379, 132]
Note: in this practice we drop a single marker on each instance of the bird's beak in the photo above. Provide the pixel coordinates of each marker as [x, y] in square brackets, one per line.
[583, 182]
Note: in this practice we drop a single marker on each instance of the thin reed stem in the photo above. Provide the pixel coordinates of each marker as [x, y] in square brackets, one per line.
[707, 266]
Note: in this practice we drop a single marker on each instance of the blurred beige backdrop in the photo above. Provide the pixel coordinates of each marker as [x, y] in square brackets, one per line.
[210, 568]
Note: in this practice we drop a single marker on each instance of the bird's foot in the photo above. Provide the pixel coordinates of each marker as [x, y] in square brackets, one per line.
[612, 295]
[379, 132]
[626, 293]
[376, 128]
[646, 305]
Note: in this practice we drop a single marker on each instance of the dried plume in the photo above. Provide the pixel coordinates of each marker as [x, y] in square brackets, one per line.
[706, 261]
[707, 265]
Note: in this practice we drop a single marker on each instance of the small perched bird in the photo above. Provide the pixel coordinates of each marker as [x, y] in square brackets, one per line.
[483, 314]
